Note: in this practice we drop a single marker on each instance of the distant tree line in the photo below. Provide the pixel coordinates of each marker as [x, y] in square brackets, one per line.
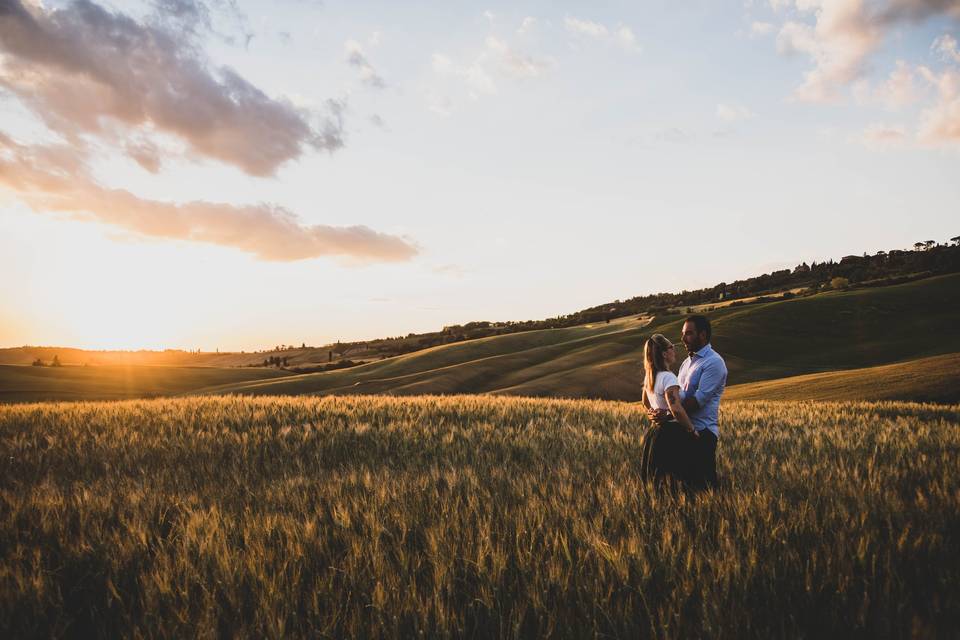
[885, 267]
[928, 258]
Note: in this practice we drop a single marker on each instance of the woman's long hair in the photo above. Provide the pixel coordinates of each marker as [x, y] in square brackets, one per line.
[653, 359]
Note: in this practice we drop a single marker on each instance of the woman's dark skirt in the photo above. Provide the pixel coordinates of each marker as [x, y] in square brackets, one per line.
[667, 454]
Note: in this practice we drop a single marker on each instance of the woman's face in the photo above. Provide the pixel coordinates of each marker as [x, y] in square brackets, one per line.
[670, 355]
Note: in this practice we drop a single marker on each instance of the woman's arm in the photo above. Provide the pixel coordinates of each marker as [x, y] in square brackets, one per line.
[672, 396]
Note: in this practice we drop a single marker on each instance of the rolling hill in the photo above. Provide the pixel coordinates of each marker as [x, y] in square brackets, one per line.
[850, 331]
[20, 383]
[934, 379]
[831, 331]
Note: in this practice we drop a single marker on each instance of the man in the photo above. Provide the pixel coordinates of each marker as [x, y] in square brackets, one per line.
[703, 376]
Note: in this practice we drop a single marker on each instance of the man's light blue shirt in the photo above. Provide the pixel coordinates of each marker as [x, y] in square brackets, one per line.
[704, 375]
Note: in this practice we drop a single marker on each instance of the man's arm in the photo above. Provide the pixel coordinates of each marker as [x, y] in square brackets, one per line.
[712, 379]
[690, 403]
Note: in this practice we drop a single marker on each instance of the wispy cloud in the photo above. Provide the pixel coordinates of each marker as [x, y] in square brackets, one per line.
[731, 113]
[946, 46]
[356, 57]
[586, 27]
[670, 134]
[450, 270]
[497, 58]
[439, 104]
[515, 63]
[620, 35]
[56, 179]
[758, 28]
[474, 74]
[526, 25]
[882, 136]
[84, 69]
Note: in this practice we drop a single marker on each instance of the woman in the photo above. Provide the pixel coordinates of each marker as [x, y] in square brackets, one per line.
[666, 447]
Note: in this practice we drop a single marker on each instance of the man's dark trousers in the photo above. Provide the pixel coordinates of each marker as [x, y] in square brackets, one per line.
[704, 468]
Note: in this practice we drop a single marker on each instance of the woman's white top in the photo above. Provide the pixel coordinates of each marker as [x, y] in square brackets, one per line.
[665, 380]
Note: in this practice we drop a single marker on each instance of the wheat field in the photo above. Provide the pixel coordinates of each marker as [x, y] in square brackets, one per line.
[471, 516]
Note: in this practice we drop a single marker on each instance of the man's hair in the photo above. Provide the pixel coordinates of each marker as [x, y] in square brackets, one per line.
[701, 323]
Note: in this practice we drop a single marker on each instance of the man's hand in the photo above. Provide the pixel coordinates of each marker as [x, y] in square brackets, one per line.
[659, 416]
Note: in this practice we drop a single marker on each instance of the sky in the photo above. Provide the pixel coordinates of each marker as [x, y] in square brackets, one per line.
[236, 175]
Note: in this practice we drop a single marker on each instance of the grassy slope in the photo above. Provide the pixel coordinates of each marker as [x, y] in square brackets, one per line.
[486, 365]
[25, 383]
[831, 331]
[935, 379]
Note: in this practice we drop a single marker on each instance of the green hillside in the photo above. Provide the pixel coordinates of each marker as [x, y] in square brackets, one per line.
[935, 379]
[830, 331]
[20, 383]
[833, 331]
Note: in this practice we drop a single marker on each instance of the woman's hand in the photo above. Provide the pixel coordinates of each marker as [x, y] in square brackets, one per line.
[659, 416]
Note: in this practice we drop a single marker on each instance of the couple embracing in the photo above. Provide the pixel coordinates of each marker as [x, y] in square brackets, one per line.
[680, 446]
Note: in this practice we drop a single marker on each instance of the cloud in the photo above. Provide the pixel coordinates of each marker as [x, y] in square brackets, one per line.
[670, 134]
[516, 64]
[439, 104]
[526, 25]
[898, 90]
[940, 123]
[586, 27]
[839, 44]
[898, 10]
[194, 17]
[620, 35]
[357, 58]
[146, 154]
[186, 14]
[474, 75]
[56, 179]
[843, 36]
[86, 70]
[733, 113]
[880, 136]
[946, 46]
[451, 270]
[496, 58]
[761, 28]
[626, 39]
